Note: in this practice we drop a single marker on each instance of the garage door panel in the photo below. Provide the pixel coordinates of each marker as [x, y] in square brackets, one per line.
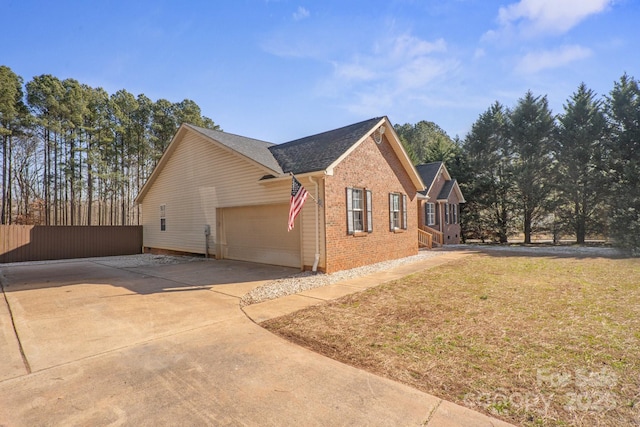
[259, 234]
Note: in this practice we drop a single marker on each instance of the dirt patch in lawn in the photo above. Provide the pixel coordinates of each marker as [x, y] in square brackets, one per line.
[532, 340]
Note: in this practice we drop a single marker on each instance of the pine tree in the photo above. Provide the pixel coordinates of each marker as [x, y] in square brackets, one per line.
[531, 129]
[44, 96]
[579, 169]
[491, 204]
[12, 114]
[623, 113]
[426, 142]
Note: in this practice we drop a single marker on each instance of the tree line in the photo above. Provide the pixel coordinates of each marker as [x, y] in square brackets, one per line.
[77, 155]
[524, 169]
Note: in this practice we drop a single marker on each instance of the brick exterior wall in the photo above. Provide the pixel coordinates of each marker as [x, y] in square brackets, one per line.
[451, 232]
[377, 168]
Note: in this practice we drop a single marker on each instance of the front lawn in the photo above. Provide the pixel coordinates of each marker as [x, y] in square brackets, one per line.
[532, 340]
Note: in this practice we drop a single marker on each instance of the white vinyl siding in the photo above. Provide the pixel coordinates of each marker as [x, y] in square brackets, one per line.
[198, 178]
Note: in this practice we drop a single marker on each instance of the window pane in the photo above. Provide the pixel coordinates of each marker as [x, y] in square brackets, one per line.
[358, 224]
[396, 219]
[431, 214]
[357, 200]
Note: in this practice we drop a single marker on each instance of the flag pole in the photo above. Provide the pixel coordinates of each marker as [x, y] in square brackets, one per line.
[313, 198]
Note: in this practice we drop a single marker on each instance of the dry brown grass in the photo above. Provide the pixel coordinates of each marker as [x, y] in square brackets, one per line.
[532, 340]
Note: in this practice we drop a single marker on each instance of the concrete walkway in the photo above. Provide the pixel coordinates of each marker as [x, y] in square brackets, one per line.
[90, 343]
[444, 413]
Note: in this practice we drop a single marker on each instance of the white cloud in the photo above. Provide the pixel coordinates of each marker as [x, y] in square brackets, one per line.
[396, 69]
[406, 46]
[535, 17]
[372, 102]
[542, 60]
[300, 14]
[354, 71]
[420, 72]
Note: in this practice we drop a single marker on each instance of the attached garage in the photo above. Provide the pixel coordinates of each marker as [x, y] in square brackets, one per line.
[258, 234]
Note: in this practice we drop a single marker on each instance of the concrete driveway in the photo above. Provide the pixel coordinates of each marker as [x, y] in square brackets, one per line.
[112, 342]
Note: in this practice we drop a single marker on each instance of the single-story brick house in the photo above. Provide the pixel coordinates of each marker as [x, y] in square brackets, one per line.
[439, 204]
[226, 195]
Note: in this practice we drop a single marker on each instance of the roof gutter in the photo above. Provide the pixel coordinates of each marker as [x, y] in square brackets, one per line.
[317, 255]
[287, 177]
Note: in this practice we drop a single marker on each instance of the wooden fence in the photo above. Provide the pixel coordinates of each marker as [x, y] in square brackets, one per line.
[36, 242]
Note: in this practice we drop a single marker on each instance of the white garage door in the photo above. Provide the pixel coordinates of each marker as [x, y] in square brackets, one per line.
[259, 234]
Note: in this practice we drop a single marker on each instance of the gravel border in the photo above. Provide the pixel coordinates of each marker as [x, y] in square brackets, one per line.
[308, 280]
[117, 261]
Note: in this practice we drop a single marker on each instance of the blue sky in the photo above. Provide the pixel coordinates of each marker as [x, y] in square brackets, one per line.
[279, 69]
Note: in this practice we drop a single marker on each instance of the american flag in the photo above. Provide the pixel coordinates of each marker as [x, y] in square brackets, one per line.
[298, 197]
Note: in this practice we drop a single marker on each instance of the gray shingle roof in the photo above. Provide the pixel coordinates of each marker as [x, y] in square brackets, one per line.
[254, 149]
[446, 189]
[428, 174]
[318, 152]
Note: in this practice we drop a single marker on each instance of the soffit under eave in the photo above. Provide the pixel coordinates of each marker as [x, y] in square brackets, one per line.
[287, 178]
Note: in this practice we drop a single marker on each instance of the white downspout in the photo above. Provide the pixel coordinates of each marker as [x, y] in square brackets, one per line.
[317, 258]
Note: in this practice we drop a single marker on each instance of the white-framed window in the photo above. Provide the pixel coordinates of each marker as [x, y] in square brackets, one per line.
[454, 211]
[446, 213]
[359, 210]
[430, 213]
[397, 211]
[163, 217]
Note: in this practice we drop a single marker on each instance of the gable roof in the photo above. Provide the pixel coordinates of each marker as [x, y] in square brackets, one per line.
[449, 187]
[445, 191]
[254, 149]
[428, 172]
[315, 153]
[319, 152]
